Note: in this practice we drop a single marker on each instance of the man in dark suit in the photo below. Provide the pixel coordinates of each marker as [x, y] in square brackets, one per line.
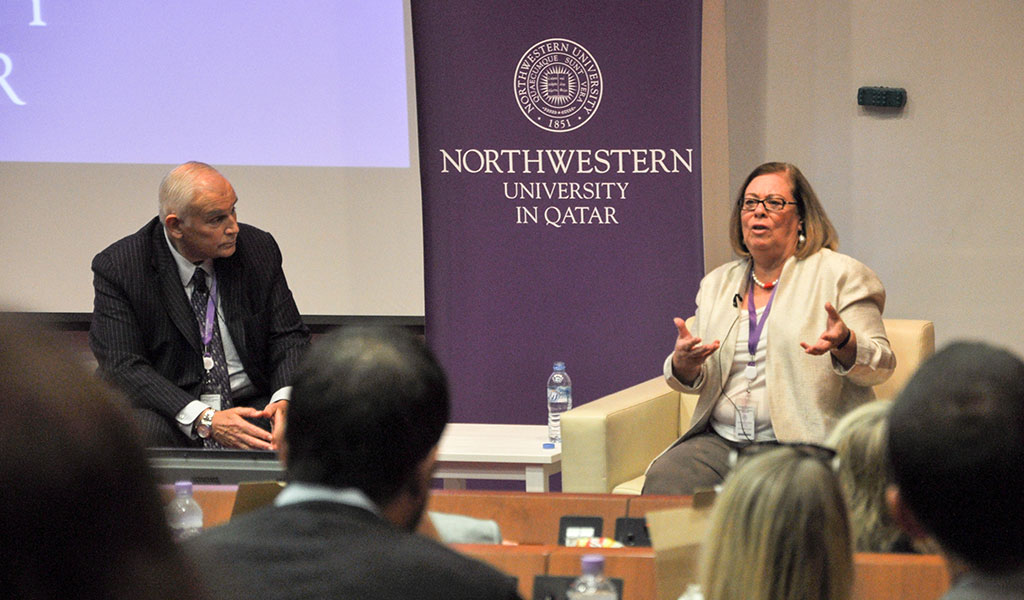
[194, 321]
[368, 408]
[956, 446]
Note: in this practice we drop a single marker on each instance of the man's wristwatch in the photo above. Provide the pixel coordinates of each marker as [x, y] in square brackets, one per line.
[204, 428]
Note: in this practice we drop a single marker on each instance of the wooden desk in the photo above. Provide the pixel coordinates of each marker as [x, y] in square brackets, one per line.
[215, 500]
[496, 452]
[634, 566]
[639, 506]
[522, 562]
[529, 518]
[899, 576]
[532, 520]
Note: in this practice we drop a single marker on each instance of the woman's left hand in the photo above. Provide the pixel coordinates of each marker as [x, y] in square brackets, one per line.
[835, 333]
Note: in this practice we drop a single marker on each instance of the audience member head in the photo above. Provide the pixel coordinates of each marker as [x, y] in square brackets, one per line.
[817, 228]
[81, 515]
[860, 440]
[956, 445]
[779, 531]
[368, 407]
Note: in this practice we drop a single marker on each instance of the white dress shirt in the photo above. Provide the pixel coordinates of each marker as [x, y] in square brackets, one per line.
[236, 372]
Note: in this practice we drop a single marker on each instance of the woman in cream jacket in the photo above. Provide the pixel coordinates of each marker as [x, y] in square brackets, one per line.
[796, 334]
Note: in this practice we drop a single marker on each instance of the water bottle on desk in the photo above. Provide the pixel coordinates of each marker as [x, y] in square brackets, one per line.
[592, 584]
[184, 514]
[559, 400]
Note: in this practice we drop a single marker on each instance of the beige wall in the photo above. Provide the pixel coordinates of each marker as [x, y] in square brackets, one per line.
[928, 197]
[714, 138]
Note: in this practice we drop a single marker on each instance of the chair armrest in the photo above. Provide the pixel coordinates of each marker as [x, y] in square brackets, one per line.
[913, 341]
[612, 439]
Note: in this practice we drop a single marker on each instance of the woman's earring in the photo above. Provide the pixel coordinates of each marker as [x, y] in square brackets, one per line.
[801, 239]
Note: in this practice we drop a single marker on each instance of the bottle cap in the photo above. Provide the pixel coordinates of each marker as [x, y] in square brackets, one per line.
[182, 487]
[593, 564]
[549, 445]
[559, 366]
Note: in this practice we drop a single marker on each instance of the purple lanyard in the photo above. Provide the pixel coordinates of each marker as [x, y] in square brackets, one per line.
[211, 313]
[756, 327]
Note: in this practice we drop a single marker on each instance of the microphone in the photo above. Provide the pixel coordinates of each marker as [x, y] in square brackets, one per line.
[736, 299]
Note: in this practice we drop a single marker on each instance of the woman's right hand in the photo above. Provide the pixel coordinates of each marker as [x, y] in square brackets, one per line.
[689, 353]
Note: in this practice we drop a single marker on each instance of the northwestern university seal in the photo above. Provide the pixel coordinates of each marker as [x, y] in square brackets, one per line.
[558, 85]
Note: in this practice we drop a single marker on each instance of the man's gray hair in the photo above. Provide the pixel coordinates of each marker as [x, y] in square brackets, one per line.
[179, 187]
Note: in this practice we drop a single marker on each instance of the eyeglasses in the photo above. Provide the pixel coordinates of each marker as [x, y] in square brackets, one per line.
[771, 203]
[823, 453]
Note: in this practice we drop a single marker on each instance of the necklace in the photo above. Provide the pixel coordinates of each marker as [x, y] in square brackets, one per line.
[764, 286]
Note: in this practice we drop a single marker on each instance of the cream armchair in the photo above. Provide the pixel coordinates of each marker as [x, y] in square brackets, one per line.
[608, 443]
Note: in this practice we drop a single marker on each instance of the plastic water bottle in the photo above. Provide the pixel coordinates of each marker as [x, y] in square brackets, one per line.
[184, 514]
[592, 584]
[559, 400]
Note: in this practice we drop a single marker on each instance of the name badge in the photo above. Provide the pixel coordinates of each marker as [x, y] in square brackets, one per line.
[745, 419]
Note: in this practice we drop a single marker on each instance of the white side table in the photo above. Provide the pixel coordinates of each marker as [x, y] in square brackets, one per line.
[497, 452]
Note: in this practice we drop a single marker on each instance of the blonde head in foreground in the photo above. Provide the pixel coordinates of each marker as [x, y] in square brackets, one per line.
[779, 531]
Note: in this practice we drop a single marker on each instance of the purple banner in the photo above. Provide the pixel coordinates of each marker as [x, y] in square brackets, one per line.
[560, 161]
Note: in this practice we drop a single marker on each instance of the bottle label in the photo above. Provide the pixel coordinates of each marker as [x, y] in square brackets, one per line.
[559, 395]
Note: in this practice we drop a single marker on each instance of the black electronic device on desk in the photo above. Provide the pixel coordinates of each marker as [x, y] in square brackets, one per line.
[213, 467]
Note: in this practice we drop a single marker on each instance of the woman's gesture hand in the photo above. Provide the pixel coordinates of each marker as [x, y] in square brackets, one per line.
[836, 334]
[689, 354]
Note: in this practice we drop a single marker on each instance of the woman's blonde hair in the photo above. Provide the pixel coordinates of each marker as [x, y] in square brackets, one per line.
[779, 531]
[814, 223]
[860, 440]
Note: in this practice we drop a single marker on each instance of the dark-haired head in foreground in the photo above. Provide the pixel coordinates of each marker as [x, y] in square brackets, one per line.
[368, 407]
[956, 445]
